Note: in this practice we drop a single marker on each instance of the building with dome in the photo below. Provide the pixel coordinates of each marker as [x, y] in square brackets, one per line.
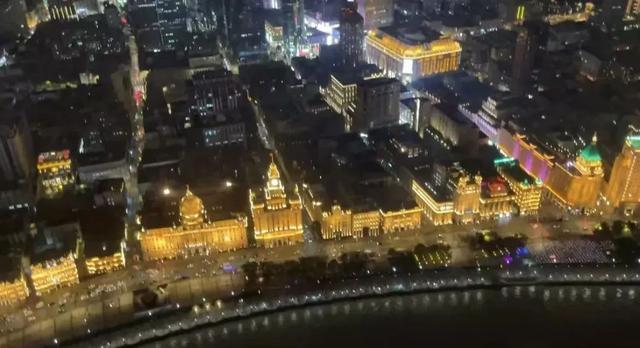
[577, 184]
[195, 234]
[277, 214]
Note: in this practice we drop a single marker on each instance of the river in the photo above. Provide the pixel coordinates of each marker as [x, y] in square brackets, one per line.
[520, 316]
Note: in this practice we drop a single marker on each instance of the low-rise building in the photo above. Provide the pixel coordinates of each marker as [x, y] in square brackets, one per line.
[195, 235]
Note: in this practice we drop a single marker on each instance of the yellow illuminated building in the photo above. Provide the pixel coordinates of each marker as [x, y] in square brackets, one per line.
[277, 218]
[195, 235]
[344, 223]
[578, 185]
[466, 198]
[336, 223]
[438, 211]
[623, 187]
[411, 61]
[471, 199]
[12, 292]
[54, 274]
[105, 264]
[527, 190]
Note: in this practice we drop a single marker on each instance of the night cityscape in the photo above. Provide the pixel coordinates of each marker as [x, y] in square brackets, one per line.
[313, 173]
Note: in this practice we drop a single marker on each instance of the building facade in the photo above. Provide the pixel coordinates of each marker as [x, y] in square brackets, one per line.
[277, 215]
[54, 274]
[406, 61]
[351, 36]
[377, 104]
[12, 292]
[578, 185]
[195, 235]
[623, 188]
[528, 190]
[376, 13]
[55, 172]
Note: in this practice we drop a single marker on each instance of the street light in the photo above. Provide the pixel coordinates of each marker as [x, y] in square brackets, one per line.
[166, 191]
[228, 183]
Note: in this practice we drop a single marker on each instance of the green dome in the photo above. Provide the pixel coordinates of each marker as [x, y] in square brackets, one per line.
[591, 153]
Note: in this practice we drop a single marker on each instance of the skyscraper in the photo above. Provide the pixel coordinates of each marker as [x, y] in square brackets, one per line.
[624, 183]
[376, 13]
[523, 58]
[16, 152]
[351, 35]
[293, 25]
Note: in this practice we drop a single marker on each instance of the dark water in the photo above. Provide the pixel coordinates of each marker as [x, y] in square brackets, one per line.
[524, 317]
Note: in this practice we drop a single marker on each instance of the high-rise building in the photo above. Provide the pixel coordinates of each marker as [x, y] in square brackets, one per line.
[624, 183]
[523, 59]
[376, 13]
[351, 36]
[16, 148]
[377, 104]
[293, 26]
[277, 215]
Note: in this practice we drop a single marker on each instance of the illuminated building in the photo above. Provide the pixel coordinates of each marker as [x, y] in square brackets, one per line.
[633, 8]
[62, 10]
[195, 235]
[528, 190]
[340, 93]
[54, 172]
[463, 198]
[13, 286]
[54, 274]
[340, 223]
[351, 36]
[466, 197]
[376, 13]
[105, 264]
[274, 34]
[623, 187]
[410, 59]
[578, 185]
[277, 218]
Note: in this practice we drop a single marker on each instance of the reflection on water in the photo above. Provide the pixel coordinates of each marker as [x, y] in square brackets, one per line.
[520, 316]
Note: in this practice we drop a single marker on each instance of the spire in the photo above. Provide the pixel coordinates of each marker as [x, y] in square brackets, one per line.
[188, 192]
[594, 138]
[273, 172]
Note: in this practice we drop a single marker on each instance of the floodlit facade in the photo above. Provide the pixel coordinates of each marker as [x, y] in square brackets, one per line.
[195, 235]
[623, 187]
[470, 199]
[13, 291]
[54, 172]
[277, 217]
[54, 274]
[339, 223]
[407, 62]
[578, 185]
[528, 190]
[105, 264]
